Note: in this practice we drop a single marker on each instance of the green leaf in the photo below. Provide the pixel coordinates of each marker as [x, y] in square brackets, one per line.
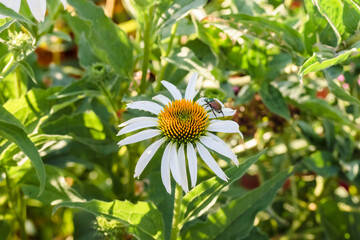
[108, 41]
[186, 59]
[56, 188]
[170, 12]
[321, 108]
[322, 163]
[24, 65]
[255, 234]
[351, 18]
[6, 25]
[332, 11]
[62, 35]
[204, 195]
[271, 31]
[317, 63]
[333, 220]
[310, 134]
[31, 107]
[143, 219]
[339, 91]
[11, 13]
[162, 199]
[39, 141]
[16, 134]
[237, 218]
[351, 169]
[246, 93]
[274, 101]
[8, 118]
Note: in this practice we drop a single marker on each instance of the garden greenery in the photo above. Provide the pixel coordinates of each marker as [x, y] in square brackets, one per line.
[284, 74]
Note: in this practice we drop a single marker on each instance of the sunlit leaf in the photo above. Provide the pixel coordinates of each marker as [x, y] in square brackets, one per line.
[205, 194]
[142, 219]
[16, 134]
[237, 218]
[273, 100]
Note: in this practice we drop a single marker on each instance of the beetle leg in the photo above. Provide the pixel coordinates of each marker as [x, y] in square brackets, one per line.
[214, 112]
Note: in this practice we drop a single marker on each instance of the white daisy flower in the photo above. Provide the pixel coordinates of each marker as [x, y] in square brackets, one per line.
[37, 7]
[184, 126]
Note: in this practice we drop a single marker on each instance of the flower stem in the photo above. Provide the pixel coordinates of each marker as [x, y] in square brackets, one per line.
[165, 63]
[147, 48]
[12, 206]
[18, 82]
[177, 216]
[110, 99]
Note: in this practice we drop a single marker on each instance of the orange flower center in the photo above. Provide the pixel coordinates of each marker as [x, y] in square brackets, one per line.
[183, 121]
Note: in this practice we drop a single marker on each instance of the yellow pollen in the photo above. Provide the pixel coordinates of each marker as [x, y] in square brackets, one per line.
[183, 121]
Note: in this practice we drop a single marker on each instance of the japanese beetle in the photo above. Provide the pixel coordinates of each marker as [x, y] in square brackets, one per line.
[214, 105]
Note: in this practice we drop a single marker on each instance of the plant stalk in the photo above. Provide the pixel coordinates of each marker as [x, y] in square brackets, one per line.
[110, 99]
[12, 206]
[176, 216]
[167, 53]
[147, 48]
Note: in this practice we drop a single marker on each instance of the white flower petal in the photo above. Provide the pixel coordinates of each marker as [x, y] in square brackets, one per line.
[38, 9]
[64, 3]
[226, 111]
[210, 161]
[138, 119]
[225, 126]
[165, 168]
[220, 148]
[201, 101]
[147, 156]
[12, 4]
[174, 163]
[192, 161]
[190, 89]
[146, 134]
[137, 125]
[172, 89]
[182, 168]
[162, 99]
[146, 106]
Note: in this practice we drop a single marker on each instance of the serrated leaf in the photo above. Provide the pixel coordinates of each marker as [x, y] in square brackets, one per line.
[274, 101]
[237, 218]
[108, 41]
[144, 221]
[204, 195]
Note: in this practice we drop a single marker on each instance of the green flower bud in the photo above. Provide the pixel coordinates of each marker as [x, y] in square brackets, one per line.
[110, 229]
[20, 44]
[98, 72]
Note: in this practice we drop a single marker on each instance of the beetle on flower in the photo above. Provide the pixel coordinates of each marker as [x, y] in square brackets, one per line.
[184, 126]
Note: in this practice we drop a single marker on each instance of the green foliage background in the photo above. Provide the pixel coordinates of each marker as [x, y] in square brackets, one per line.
[290, 69]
